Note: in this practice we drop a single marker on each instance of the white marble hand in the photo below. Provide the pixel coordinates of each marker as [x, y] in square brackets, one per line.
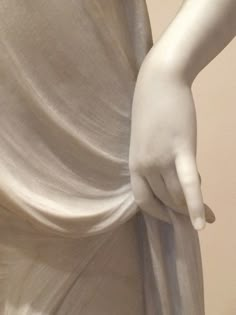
[162, 156]
[163, 145]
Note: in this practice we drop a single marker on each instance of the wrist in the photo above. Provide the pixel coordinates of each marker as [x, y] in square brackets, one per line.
[170, 63]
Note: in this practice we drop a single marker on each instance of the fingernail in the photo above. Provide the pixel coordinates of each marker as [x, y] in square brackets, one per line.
[199, 224]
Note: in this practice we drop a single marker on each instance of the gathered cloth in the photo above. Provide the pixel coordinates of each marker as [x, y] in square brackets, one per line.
[72, 239]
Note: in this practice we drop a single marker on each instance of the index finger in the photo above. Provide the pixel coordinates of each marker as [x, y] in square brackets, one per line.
[186, 168]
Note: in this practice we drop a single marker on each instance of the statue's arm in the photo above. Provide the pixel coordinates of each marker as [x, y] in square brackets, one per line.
[162, 155]
[198, 33]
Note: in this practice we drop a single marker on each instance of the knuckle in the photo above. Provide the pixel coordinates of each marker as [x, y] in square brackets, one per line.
[141, 199]
[140, 165]
[191, 180]
[141, 202]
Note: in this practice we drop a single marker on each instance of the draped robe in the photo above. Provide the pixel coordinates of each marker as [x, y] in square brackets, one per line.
[72, 239]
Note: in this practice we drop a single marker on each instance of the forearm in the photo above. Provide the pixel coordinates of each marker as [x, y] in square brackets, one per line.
[198, 33]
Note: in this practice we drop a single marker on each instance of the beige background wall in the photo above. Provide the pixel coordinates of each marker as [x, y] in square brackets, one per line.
[215, 96]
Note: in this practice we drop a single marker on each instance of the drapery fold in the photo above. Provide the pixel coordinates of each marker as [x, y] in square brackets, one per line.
[72, 239]
[172, 266]
[68, 75]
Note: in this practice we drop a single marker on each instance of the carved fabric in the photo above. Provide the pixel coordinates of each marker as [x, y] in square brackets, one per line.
[72, 240]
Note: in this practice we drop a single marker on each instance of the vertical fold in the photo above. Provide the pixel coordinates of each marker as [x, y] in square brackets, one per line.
[172, 269]
[188, 265]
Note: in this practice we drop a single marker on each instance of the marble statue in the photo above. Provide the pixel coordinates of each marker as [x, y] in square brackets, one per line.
[100, 199]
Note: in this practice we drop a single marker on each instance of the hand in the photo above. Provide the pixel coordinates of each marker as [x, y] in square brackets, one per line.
[162, 157]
